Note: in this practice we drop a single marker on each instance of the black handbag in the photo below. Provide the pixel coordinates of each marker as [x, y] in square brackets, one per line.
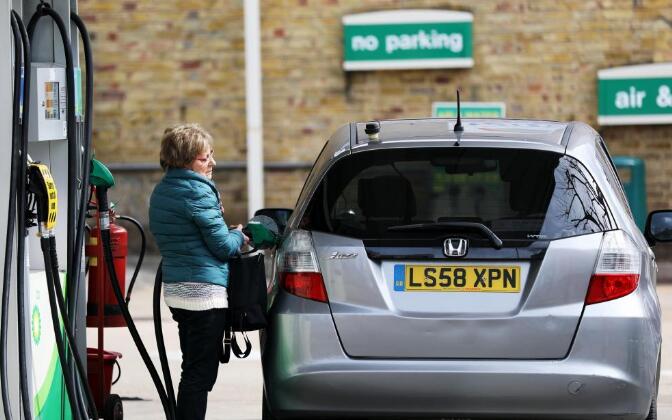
[247, 303]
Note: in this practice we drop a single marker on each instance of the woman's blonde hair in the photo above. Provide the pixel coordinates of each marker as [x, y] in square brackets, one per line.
[182, 143]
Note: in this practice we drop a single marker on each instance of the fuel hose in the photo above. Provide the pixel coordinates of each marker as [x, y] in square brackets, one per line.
[103, 210]
[160, 343]
[44, 9]
[85, 164]
[73, 263]
[60, 345]
[43, 195]
[75, 277]
[21, 224]
[11, 215]
[93, 412]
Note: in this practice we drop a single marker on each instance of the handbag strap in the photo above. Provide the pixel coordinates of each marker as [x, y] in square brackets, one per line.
[230, 344]
[225, 354]
[236, 348]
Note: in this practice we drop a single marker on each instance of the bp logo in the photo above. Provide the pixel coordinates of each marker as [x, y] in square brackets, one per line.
[36, 325]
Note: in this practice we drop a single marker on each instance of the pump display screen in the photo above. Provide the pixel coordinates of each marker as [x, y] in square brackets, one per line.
[51, 101]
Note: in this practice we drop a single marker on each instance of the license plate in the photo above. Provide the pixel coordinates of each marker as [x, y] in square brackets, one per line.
[456, 278]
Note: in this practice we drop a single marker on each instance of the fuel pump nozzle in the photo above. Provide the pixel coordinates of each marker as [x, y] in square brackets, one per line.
[41, 184]
[101, 178]
[263, 232]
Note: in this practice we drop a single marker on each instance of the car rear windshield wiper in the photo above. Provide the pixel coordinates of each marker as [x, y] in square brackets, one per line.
[471, 226]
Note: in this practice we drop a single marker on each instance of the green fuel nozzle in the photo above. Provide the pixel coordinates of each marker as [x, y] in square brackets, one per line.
[102, 179]
[262, 231]
[100, 176]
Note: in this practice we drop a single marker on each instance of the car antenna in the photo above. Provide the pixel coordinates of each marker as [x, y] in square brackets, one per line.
[458, 129]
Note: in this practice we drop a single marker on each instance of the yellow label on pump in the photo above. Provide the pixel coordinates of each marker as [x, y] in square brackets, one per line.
[52, 196]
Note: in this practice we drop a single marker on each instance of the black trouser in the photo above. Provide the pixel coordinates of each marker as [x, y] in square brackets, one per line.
[201, 334]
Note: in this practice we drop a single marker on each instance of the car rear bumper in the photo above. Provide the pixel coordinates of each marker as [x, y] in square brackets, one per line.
[609, 373]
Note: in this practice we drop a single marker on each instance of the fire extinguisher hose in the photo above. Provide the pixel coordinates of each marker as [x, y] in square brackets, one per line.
[143, 247]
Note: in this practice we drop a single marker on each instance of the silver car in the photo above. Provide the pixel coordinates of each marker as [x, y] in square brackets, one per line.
[491, 272]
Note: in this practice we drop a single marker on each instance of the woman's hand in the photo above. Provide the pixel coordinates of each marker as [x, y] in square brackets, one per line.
[239, 228]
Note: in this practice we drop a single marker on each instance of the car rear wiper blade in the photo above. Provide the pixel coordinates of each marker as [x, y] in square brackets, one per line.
[472, 226]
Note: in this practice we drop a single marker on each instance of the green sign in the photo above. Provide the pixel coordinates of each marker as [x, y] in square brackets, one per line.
[407, 39]
[635, 95]
[469, 109]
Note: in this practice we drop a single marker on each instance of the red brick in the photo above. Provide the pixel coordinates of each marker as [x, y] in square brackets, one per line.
[191, 64]
[105, 67]
[114, 95]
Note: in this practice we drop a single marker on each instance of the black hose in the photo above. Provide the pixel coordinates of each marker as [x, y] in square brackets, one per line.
[143, 246]
[109, 262]
[21, 227]
[86, 263]
[116, 362]
[160, 344]
[73, 264]
[76, 276]
[86, 162]
[103, 209]
[44, 9]
[69, 385]
[11, 221]
[93, 412]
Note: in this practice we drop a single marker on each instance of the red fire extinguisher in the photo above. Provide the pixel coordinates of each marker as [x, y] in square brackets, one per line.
[99, 277]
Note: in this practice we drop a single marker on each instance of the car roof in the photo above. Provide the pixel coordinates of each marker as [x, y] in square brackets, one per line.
[549, 133]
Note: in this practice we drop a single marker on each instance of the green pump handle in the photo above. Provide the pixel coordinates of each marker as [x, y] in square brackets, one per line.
[262, 231]
[100, 176]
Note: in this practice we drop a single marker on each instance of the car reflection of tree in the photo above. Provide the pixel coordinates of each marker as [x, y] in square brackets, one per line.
[578, 202]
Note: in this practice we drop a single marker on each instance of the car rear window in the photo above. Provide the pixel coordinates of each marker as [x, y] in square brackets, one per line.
[518, 194]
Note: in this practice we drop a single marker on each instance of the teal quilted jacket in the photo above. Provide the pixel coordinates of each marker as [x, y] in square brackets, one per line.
[187, 222]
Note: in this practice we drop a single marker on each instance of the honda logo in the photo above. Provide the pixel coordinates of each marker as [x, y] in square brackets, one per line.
[455, 247]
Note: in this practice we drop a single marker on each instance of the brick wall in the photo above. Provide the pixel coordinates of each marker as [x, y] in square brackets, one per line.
[162, 62]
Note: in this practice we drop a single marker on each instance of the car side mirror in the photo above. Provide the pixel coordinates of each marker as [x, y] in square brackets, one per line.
[659, 227]
[279, 215]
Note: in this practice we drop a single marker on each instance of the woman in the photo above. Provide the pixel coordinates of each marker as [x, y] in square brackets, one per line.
[186, 218]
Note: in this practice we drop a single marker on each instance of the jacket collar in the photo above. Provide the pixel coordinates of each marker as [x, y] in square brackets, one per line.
[186, 173]
[183, 173]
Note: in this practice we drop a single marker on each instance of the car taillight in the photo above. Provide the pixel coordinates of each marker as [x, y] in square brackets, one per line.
[617, 271]
[299, 272]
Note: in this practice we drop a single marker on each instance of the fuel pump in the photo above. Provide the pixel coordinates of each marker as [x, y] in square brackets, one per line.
[46, 134]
